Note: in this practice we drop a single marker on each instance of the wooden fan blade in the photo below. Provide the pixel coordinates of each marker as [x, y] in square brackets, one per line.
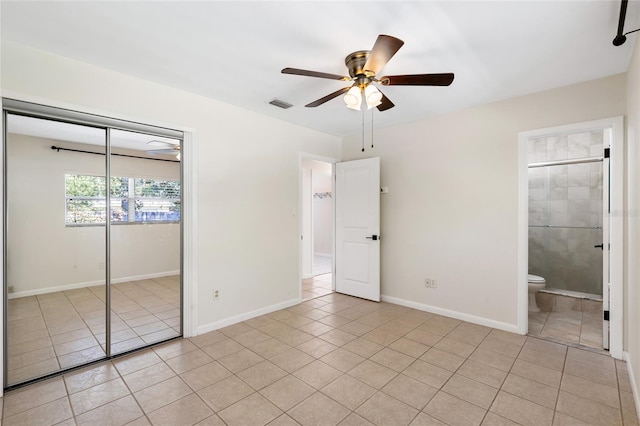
[418, 80]
[386, 104]
[328, 97]
[307, 73]
[383, 50]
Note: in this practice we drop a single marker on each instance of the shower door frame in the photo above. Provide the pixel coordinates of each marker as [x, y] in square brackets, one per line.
[614, 219]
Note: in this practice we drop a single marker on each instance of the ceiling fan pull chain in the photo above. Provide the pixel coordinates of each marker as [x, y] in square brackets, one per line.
[363, 130]
[372, 127]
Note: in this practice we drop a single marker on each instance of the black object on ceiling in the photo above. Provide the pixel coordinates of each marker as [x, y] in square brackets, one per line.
[620, 37]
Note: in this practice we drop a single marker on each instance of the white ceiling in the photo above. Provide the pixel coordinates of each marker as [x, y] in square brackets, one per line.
[234, 51]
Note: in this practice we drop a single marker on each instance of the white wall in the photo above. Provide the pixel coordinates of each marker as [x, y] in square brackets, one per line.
[247, 174]
[451, 211]
[322, 209]
[44, 254]
[632, 290]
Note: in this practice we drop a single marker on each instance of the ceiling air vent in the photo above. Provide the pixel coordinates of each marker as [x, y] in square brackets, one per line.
[280, 104]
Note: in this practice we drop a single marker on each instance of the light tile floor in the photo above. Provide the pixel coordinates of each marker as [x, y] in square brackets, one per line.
[317, 286]
[59, 330]
[340, 360]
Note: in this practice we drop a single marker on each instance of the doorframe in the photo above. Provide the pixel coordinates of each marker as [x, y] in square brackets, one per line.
[331, 160]
[306, 209]
[616, 230]
[189, 241]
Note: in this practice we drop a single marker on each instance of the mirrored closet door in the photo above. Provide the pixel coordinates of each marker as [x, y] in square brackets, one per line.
[87, 276]
[145, 239]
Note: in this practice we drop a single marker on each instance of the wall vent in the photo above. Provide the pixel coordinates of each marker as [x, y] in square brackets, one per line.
[280, 104]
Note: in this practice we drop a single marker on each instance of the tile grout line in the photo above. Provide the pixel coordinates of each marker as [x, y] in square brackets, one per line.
[66, 389]
[121, 376]
[468, 357]
[365, 359]
[564, 364]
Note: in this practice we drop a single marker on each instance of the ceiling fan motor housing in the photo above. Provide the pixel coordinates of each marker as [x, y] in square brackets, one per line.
[355, 63]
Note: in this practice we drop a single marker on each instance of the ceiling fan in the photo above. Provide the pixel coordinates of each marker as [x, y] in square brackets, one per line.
[164, 148]
[364, 66]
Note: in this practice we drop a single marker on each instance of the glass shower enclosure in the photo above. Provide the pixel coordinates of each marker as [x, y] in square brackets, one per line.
[566, 211]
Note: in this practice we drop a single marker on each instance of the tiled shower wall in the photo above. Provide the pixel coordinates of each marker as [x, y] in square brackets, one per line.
[565, 212]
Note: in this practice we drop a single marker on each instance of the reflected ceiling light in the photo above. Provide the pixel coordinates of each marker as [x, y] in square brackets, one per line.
[353, 98]
[372, 96]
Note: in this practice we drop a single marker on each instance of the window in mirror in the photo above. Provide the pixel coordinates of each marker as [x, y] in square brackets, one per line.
[133, 200]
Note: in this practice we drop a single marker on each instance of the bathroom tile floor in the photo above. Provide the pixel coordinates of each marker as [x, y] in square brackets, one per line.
[584, 328]
[339, 360]
[567, 319]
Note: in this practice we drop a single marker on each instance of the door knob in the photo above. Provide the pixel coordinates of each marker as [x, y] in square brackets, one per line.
[373, 237]
[599, 246]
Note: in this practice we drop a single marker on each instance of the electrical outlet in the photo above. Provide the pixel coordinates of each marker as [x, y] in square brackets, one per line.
[216, 294]
[430, 283]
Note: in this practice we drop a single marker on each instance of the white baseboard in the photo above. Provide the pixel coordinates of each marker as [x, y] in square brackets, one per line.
[512, 328]
[247, 315]
[90, 284]
[322, 254]
[634, 385]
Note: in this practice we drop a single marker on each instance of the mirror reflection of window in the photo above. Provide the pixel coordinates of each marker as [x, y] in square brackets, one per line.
[151, 201]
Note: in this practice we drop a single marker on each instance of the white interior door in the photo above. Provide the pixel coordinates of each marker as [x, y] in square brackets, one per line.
[358, 228]
[606, 276]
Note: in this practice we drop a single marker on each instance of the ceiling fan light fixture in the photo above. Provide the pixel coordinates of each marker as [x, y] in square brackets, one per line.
[353, 98]
[364, 66]
[372, 96]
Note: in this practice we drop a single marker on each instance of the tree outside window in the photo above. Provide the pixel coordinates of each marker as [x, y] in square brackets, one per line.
[133, 200]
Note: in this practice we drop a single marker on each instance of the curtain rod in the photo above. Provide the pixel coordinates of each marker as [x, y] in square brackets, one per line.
[59, 148]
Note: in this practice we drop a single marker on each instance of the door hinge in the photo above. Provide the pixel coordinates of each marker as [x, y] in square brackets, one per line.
[606, 152]
[606, 315]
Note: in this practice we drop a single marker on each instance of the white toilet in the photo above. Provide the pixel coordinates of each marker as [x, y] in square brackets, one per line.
[536, 284]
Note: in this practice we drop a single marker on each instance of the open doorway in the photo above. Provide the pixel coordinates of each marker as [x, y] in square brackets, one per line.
[571, 176]
[317, 215]
[568, 235]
